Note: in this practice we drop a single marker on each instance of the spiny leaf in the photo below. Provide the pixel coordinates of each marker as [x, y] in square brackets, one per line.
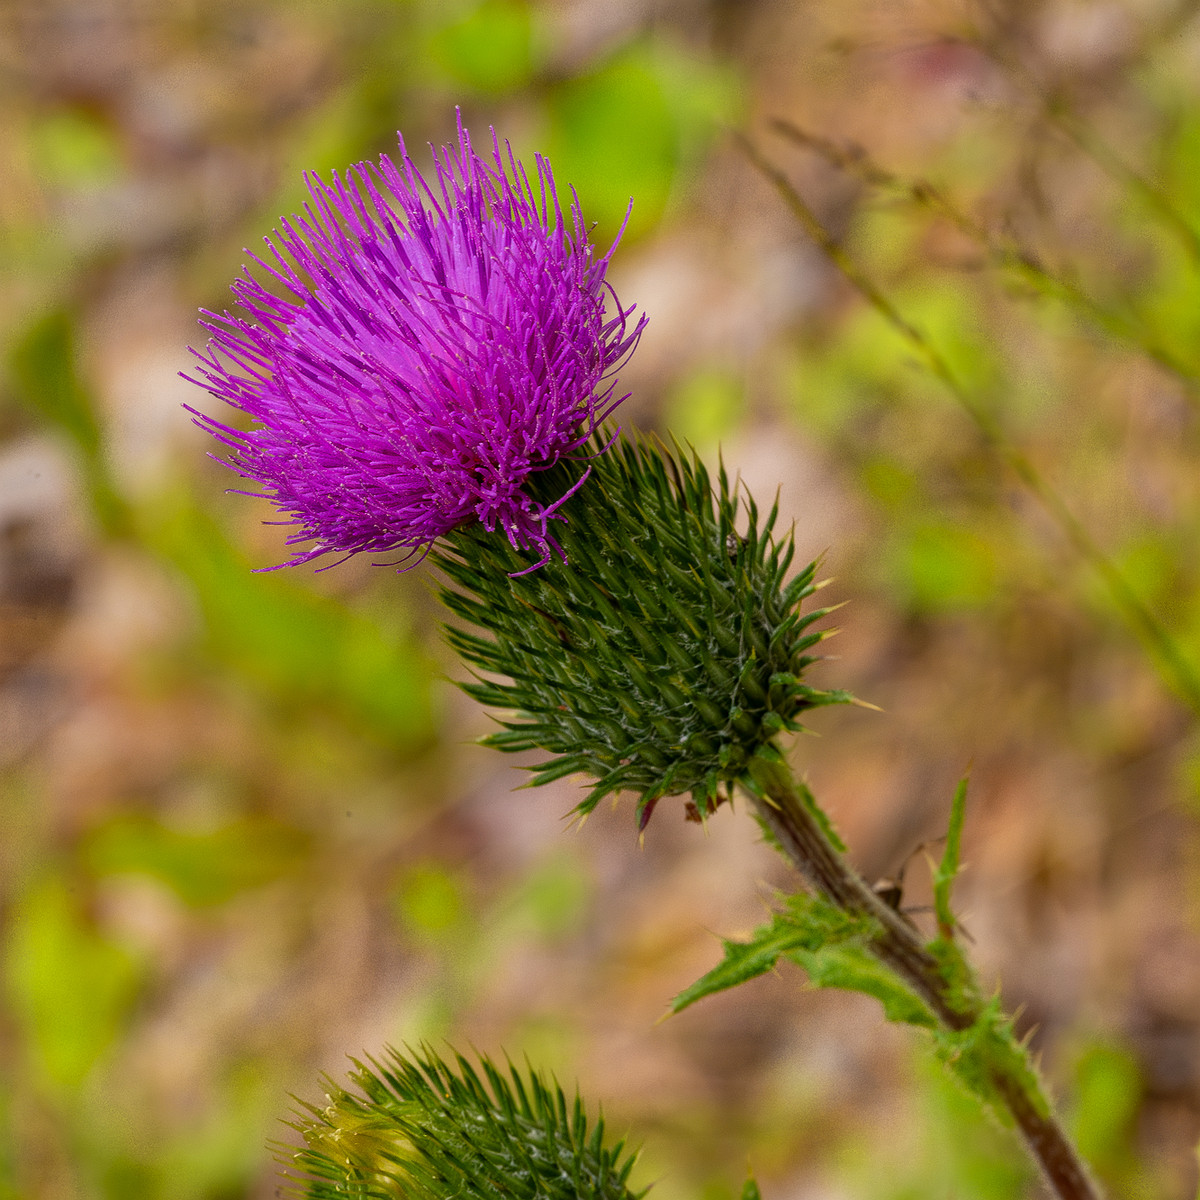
[852, 968]
[833, 948]
[743, 961]
[947, 870]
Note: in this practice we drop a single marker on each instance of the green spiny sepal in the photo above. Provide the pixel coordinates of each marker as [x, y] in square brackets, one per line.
[420, 1129]
[664, 653]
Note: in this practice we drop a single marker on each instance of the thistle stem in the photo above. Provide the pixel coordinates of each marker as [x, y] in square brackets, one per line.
[899, 947]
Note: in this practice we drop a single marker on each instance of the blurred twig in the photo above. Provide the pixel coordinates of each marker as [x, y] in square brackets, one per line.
[1004, 252]
[1051, 96]
[1174, 667]
[1096, 148]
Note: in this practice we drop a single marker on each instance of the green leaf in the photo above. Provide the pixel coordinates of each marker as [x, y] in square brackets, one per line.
[743, 961]
[817, 813]
[627, 128]
[750, 1190]
[202, 869]
[42, 364]
[852, 968]
[833, 948]
[987, 1048]
[490, 49]
[70, 987]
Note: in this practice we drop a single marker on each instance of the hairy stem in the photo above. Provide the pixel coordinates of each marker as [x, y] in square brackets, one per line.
[899, 946]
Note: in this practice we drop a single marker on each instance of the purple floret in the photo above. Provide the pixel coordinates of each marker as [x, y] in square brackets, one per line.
[436, 345]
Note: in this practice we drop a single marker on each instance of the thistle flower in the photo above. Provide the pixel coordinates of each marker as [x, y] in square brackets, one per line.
[419, 1128]
[434, 346]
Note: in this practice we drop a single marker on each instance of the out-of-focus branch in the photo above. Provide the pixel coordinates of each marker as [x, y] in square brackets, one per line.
[1172, 664]
[1084, 136]
[1003, 252]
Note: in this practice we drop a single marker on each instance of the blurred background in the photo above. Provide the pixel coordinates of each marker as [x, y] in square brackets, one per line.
[245, 829]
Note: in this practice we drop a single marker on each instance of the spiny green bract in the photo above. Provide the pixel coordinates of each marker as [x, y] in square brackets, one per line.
[667, 649]
[420, 1129]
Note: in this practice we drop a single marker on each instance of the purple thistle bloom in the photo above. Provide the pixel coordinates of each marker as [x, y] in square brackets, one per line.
[436, 345]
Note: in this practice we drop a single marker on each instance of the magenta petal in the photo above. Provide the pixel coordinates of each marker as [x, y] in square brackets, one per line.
[431, 344]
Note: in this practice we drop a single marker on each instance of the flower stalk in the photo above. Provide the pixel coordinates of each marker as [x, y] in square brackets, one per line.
[780, 806]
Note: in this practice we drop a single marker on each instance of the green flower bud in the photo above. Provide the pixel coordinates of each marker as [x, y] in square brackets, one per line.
[420, 1129]
[663, 653]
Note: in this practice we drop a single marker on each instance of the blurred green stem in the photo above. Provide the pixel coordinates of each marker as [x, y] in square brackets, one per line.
[1004, 252]
[781, 807]
[1172, 664]
[1053, 94]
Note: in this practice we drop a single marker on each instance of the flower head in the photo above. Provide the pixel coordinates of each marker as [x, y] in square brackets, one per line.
[434, 344]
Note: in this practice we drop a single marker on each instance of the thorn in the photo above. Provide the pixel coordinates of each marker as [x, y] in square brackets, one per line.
[646, 813]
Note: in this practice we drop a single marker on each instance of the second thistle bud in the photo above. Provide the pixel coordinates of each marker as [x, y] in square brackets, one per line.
[663, 654]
